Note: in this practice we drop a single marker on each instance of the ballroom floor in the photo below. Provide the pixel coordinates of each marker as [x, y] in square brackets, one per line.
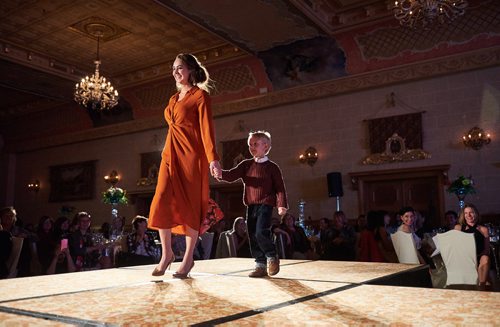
[304, 292]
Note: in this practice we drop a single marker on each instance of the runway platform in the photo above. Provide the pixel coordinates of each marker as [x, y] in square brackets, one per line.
[327, 293]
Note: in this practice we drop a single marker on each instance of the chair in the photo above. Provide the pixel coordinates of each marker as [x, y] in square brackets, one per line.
[231, 244]
[280, 242]
[222, 250]
[405, 248]
[12, 261]
[207, 239]
[458, 251]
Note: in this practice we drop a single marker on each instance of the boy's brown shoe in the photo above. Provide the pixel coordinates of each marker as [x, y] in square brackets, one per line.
[258, 272]
[273, 266]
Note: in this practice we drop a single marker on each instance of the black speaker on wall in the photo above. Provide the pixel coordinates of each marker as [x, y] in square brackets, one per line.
[334, 184]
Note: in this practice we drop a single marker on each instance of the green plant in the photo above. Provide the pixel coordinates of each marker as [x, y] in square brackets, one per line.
[463, 185]
[114, 195]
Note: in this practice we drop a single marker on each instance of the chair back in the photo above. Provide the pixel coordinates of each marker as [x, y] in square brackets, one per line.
[280, 242]
[405, 248]
[458, 251]
[207, 239]
[231, 244]
[12, 261]
[222, 250]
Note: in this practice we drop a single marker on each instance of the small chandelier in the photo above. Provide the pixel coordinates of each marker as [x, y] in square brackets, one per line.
[423, 13]
[94, 92]
[476, 138]
[310, 156]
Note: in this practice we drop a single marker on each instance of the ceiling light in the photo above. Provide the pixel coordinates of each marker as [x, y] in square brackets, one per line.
[423, 13]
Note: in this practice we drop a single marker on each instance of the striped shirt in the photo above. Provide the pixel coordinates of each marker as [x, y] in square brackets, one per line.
[263, 182]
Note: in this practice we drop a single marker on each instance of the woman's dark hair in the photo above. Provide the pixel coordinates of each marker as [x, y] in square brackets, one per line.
[404, 210]
[42, 221]
[451, 212]
[138, 219]
[374, 221]
[198, 73]
[58, 232]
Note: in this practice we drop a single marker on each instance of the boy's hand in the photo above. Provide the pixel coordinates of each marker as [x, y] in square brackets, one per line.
[282, 211]
[215, 169]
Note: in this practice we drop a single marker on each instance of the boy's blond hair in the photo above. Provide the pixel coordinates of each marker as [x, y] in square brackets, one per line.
[261, 135]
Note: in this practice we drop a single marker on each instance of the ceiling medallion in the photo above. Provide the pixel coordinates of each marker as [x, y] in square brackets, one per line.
[396, 151]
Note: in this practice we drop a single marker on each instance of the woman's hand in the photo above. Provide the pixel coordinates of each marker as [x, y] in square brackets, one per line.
[215, 169]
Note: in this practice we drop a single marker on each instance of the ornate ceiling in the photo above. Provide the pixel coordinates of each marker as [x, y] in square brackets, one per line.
[46, 46]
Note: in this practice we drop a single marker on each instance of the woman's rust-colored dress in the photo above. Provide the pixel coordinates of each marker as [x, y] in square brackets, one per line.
[181, 196]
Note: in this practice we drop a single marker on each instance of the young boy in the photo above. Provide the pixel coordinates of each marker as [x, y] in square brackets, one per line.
[264, 189]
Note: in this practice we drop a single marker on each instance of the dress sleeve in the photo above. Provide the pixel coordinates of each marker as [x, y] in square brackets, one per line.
[207, 127]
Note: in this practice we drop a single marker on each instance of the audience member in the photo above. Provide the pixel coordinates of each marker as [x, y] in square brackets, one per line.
[117, 227]
[84, 251]
[360, 223]
[468, 222]
[141, 246]
[299, 246]
[407, 215]
[325, 236]
[240, 236]
[61, 228]
[11, 224]
[374, 243]
[344, 238]
[46, 243]
[5, 250]
[450, 219]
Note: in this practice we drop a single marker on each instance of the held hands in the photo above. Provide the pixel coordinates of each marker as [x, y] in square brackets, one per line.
[282, 211]
[215, 169]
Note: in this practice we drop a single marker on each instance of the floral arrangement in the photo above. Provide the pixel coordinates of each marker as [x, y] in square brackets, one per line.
[213, 216]
[114, 195]
[462, 185]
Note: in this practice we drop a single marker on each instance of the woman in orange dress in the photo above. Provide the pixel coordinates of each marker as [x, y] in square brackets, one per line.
[181, 197]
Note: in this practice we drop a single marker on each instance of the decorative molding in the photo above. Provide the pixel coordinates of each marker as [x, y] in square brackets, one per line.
[390, 42]
[222, 53]
[454, 64]
[395, 151]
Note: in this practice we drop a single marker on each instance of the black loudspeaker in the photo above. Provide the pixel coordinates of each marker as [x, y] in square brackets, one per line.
[334, 184]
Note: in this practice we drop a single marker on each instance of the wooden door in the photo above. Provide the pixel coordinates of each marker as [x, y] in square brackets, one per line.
[390, 190]
[392, 195]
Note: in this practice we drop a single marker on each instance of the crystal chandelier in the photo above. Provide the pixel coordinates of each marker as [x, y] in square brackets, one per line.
[94, 92]
[423, 13]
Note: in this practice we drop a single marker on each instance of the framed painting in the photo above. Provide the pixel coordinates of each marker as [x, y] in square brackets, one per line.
[150, 167]
[75, 181]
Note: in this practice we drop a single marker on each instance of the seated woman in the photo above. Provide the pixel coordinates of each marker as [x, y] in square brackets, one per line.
[468, 222]
[240, 236]
[299, 246]
[141, 246]
[407, 215]
[374, 244]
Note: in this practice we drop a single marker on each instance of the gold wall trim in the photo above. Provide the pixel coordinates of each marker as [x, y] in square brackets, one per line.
[443, 66]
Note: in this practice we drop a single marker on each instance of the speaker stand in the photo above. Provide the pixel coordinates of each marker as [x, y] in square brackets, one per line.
[338, 203]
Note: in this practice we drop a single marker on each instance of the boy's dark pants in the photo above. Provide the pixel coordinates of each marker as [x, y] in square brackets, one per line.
[259, 232]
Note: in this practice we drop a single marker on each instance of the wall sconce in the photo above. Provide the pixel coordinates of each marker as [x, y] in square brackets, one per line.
[310, 156]
[476, 138]
[112, 178]
[34, 187]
